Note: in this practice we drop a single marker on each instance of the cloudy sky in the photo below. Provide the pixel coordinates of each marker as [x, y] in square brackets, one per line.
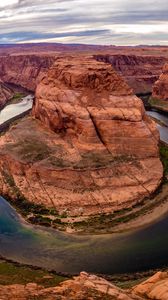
[107, 22]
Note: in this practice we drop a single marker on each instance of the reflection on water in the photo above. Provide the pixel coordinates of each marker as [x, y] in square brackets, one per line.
[12, 110]
[108, 254]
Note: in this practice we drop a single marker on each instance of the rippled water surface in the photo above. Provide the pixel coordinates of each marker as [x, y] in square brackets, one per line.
[108, 254]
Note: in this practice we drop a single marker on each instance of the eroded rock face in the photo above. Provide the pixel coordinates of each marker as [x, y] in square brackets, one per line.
[139, 71]
[97, 151]
[5, 93]
[89, 287]
[155, 288]
[24, 70]
[85, 286]
[160, 88]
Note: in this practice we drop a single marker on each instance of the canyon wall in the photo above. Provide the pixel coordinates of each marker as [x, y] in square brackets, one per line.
[24, 70]
[5, 93]
[160, 88]
[90, 147]
[139, 71]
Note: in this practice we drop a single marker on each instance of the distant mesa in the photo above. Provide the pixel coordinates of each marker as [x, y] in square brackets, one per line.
[140, 71]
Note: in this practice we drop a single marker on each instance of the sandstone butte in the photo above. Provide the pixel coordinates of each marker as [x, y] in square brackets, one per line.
[139, 71]
[160, 88]
[89, 287]
[88, 147]
[5, 93]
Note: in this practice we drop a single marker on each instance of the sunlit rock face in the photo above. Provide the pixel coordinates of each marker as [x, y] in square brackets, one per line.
[86, 286]
[160, 88]
[89, 148]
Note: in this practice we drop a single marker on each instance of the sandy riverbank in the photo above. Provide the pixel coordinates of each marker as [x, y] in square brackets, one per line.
[155, 214]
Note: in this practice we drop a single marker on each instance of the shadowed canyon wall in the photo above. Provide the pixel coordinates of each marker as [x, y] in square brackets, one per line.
[5, 93]
[160, 88]
[140, 72]
[24, 70]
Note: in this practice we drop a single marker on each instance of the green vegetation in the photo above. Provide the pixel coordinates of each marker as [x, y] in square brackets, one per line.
[41, 220]
[33, 150]
[30, 150]
[158, 102]
[164, 157]
[94, 159]
[128, 284]
[16, 98]
[99, 160]
[27, 208]
[58, 162]
[13, 273]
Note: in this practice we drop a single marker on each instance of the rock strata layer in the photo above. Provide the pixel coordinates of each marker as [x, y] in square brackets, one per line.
[139, 71]
[5, 93]
[24, 70]
[89, 287]
[160, 88]
[90, 147]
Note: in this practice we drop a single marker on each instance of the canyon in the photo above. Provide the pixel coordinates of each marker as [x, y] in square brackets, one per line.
[27, 64]
[24, 70]
[88, 148]
[139, 71]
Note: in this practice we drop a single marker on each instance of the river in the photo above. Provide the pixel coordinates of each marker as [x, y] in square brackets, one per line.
[14, 110]
[135, 251]
[108, 254]
[163, 130]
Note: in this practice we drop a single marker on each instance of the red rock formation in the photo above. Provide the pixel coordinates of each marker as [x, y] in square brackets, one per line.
[24, 70]
[5, 93]
[160, 88]
[97, 151]
[89, 287]
[139, 71]
[155, 288]
[25, 65]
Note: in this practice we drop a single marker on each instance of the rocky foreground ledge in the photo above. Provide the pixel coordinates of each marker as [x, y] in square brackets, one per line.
[89, 287]
[89, 147]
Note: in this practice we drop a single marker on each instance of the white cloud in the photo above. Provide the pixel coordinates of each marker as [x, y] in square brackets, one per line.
[112, 21]
[4, 3]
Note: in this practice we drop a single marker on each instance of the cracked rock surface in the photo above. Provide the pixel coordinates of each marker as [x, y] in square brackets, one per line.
[89, 148]
[89, 287]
